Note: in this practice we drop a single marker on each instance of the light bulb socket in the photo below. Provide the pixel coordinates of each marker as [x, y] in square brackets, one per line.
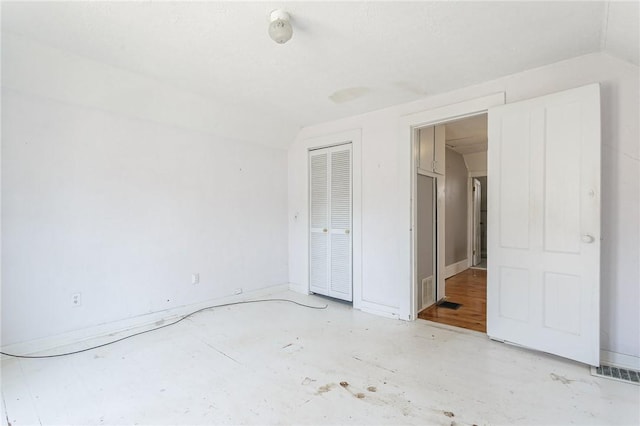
[280, 29]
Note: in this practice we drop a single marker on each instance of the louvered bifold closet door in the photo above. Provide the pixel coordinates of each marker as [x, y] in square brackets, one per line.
[330, 241]
[340, 221]
[319, 222]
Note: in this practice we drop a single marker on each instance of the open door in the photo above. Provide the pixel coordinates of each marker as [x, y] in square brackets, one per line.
[543, 289]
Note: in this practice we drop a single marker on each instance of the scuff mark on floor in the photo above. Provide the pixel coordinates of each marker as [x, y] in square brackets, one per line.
[307, 380]
[376, 365]
[560, 379]
[292, 347]
[449, 414]
[6, 413]
[325, 388]
[345, 386]
[220, 352]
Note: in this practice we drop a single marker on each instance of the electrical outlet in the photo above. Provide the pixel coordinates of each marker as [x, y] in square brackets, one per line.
[195, 278]
[76, 299]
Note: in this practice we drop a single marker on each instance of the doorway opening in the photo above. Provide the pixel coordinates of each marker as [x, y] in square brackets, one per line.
[543, 219]
[451, 221]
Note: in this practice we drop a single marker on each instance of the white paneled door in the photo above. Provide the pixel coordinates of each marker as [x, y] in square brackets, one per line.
[330, 242]
[543, 288]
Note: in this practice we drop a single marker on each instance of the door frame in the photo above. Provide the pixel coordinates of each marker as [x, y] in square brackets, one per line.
[409, 125]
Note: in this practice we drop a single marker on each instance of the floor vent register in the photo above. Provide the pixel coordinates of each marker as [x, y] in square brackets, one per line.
[616, 373]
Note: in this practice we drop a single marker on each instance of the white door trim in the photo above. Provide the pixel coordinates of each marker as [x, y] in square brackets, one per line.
[408, 129]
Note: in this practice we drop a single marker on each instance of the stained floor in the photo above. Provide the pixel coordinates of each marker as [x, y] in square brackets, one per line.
[278, 363]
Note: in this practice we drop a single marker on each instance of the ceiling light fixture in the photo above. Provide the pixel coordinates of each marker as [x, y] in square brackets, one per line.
[280, 29]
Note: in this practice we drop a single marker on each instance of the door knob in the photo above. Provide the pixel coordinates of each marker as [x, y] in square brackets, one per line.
[346, 231]
[588, 239]
[325, 230]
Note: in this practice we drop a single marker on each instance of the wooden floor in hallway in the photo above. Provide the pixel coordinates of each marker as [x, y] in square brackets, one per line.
[469, 288]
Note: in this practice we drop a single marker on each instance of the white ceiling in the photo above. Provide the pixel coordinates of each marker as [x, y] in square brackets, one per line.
[468, 135]
[344, 58]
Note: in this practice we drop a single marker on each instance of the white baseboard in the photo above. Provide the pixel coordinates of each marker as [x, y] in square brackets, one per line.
[455, 268]
[298, 288]
[381, 312]
[137, 323]
[619, 360]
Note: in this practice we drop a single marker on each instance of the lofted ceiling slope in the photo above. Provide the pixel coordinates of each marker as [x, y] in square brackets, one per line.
[344, 58]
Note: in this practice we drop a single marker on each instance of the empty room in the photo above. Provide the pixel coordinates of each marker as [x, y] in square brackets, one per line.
[320, 213]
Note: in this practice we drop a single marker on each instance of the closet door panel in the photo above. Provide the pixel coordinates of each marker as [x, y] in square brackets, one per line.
[319, 223]
[340, 284]
[318, 277]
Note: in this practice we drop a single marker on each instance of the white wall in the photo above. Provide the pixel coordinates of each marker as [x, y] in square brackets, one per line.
[386, 188]
[35, 68]
[456, 194]
[124, 208]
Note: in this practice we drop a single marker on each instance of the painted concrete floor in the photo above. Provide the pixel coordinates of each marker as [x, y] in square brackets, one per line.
[277, 363]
